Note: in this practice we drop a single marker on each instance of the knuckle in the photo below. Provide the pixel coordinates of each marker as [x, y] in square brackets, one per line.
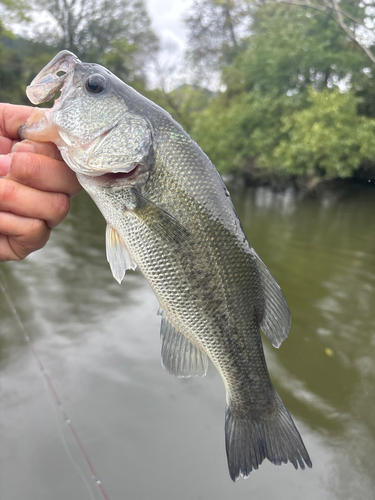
[38, 234]
[8, 191]
[61, 205]
[33, 239]
[26, 167]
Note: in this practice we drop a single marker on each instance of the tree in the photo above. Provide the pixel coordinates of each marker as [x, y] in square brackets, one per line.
[116, 33]
[356, 22]
[294, 99]
[10, 69]
[185, 103]
[328, 137]
[355, 18]
[20, 60]
[290, 52]
[13, 11]
[215, 30]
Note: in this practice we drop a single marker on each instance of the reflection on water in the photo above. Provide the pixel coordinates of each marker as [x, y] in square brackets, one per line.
[151, 435]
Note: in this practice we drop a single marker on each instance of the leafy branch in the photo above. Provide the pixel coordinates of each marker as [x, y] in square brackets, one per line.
[333, 9]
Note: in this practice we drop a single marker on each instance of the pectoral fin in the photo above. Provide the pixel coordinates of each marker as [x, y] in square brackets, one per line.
[158, 220]
[117, 254]
[179, 356]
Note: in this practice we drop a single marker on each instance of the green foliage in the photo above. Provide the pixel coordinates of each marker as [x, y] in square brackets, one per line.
[14, 11]
[328, 137]
[185, 104]
[281, 109]
[234, 133]
[297, 94]
[11, 73]
[20, 60]
[215, 29]
[289, 51]
[116, 33]
[121, 60]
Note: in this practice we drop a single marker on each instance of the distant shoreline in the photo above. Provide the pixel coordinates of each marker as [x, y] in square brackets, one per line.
[300, 183]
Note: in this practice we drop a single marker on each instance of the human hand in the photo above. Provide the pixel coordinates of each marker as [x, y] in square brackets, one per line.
[35, 187]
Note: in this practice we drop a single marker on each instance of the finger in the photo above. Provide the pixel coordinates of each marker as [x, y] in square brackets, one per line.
[43, 173]
[11, 118]
[20, 236]
[42, 148]
[6, 144]
[29, 202]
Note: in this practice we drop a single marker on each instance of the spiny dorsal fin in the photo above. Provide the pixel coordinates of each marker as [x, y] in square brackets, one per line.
[276, 319]
[117, 254]
[178, 355]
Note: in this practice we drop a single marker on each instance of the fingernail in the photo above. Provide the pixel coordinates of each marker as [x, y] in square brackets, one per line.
[5, 164]
[23, 147]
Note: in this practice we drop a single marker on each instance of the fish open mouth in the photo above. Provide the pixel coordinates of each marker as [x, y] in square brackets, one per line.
[121, 175]
[111, 177]
[52, 78]
[48, 82]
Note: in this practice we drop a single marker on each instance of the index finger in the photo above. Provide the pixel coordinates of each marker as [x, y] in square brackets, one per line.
[12, 116]
[43, 173]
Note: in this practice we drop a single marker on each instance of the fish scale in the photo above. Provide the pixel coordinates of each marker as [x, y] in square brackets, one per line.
[169, 213]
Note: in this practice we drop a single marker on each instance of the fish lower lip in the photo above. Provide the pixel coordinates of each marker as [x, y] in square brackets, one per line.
[117, 176]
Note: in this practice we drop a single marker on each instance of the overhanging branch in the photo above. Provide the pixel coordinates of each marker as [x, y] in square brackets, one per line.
[332, 9]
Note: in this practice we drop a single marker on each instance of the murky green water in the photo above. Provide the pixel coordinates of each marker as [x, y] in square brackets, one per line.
[150, 435]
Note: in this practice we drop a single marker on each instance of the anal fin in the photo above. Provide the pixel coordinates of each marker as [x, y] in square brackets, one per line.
[117, 254]
[178, 355]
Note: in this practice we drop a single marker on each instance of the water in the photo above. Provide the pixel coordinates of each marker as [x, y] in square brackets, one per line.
[150, 435]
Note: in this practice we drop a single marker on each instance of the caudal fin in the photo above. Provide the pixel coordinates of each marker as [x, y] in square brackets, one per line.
[250, 441]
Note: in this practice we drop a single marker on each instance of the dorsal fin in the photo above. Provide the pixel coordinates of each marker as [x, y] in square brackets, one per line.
[117, 254]
[276, 319]
[178, 355]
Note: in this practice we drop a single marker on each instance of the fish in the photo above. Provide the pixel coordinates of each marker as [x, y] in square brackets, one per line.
[169, 213]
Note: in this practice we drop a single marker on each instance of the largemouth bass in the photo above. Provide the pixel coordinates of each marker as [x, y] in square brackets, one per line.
[169, 213]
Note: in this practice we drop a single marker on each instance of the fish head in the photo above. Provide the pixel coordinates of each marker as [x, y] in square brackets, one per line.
[91, 122]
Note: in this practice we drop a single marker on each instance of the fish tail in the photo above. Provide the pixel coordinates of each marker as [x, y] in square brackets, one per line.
[250, 440]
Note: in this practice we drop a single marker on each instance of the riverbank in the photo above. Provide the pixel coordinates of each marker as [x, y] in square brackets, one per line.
[307, 183]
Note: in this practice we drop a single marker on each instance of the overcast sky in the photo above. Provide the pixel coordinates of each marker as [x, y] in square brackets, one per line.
[166, 17]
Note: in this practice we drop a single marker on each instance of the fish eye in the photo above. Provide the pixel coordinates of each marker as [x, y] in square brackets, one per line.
[95, 84]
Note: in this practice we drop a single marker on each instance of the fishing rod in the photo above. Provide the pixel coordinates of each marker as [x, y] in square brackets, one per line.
[52, 391]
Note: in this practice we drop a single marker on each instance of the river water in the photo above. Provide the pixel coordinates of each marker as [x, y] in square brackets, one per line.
[150, 435]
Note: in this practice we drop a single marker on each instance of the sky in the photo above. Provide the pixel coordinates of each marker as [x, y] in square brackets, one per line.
[166, 17]
[167, 22]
